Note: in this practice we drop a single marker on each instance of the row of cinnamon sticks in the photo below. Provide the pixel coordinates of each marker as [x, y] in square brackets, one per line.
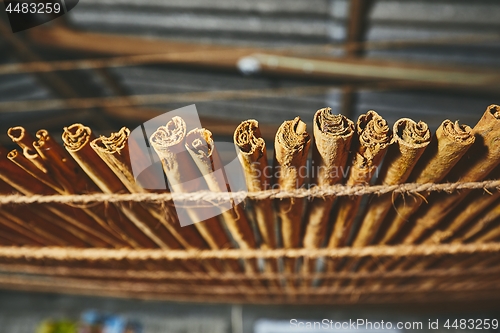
[362, 153]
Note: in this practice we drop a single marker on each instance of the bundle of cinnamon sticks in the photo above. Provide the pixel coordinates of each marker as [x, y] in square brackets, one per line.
[336, 151]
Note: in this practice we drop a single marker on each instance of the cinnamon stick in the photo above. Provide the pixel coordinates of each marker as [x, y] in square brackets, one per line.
[34, 164]
[114, 151]
[332, 140]
[252, 155]
[450, 142]
[72, 179]
[36, 221]
[77, 140]
[410, 140]
[24, 229]
[42, 169]
[14, 234]
[25, 140]
[20, 136]
[168, 141]
[67, 172]
[36, 172]
[60, 215]
[479, 232]
[35, 224]
[474, 207]
[464, 216]
[476, 230]
[373, 138]
[483, 157]
[200, 145]
[491, 235]
[291, 147]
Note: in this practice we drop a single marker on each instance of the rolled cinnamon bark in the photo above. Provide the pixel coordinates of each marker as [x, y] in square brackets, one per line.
[50, 150]
[31, 219]
[62, 216]
[15, 235]
[481, 231]
[77, 140]
[31, 161]
[474, 166]
[73, 180]
[291, 148]
[410, 140]
[481, 159]
[373, 138]
[168, 142]
[68, 173]
[18, 179]
[114, 151]
[252, 155]
[475, 232]
[41, 174]
[28, 222]
[463, 218]
[200, 145]
[450, 142]
[20, 136]
[30, 226]
[332, 139]
[25, 140]
[491, 235]
[253, 158]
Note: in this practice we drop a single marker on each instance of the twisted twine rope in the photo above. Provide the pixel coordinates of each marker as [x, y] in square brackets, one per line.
[217, 198]
[230, 276]
[59, 253]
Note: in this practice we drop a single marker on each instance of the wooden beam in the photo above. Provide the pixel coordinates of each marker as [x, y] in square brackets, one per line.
[357, 26]
[356, 34]
[273, 62]
[411, 75]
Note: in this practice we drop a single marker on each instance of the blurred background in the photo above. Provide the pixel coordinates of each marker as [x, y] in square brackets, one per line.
[126, 61]
[114, 63]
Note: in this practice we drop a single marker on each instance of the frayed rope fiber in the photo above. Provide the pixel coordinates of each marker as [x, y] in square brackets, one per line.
[216, 198]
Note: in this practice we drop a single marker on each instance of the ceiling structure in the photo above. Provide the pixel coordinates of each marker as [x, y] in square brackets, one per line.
[113, 63]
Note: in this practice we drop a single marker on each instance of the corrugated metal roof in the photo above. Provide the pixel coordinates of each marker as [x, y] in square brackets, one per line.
[460, 32]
